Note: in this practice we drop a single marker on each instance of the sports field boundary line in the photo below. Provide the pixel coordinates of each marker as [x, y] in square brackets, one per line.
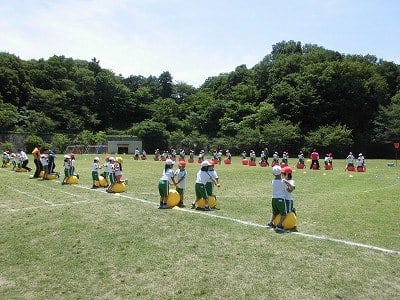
[248, 223]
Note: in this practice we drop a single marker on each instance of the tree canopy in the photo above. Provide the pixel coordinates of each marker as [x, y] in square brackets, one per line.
[296, 97]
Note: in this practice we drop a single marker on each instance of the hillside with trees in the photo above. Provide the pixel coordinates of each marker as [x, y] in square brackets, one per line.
[296, 97]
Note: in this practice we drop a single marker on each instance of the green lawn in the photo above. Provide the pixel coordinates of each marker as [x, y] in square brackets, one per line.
[71, 242]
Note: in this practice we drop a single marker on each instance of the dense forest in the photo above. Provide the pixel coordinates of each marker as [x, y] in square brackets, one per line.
[296, 97]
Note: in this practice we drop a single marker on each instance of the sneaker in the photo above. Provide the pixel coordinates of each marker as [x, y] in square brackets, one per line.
[126, 181]
[77, 176]
[271, 225]
[193, 206]
[280, 229]
[164, 206]
[180, 204]
[94, 187]
[207, 208]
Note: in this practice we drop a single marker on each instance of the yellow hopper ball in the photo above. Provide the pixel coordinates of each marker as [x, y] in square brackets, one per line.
[21, 170]
[51, 176]
[212, 202]
[289, 222]
[41, 175]
[173, 198]
[72, 180]
[101, 182]
[119, 187]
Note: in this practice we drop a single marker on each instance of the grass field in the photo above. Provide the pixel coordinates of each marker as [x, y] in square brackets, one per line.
[71, 242]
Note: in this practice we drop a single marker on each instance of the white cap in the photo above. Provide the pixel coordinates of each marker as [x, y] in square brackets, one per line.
[276, 170]
[205, 163]
[360, 154]
[169, 162]
[96, 158]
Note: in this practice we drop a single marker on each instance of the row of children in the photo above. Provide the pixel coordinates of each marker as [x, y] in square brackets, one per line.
[15, 160]
[112, 172]
[206, 178]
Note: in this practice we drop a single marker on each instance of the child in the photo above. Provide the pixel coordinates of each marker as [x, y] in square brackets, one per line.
[117, 174]
[301, 158]
[72, 169]
[228, 155]
[118, 171]
[50, 158]
[275, 159]
[200, 186]
[290, 186]
[252, 156]
[45, 164]
[350, 160]
[95, 172]
[314, 160]
[212, 180]
[163, 183]
[111, 174]
[67, 169]
[278, 199]
[6, 159]
[14, 160]
[180, 175]
[107, 169]
[285, 158]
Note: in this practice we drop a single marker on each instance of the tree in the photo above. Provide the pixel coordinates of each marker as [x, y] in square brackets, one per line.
[165, 80]
[336, 139]
[32, 140]
[387, 122]
[8, 116]
[60, 142]
[153, 134]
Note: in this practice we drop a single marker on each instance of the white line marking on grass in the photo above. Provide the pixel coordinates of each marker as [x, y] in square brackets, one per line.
[29, 195]
[248, 223]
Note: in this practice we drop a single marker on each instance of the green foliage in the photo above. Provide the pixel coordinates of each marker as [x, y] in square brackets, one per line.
[32, 141]
[153, 134]
[8, 146]
[60, 142]
[387, 123]
[8, 115]
[85, 138]
[330, 139]
[306, 85]
[281, 136]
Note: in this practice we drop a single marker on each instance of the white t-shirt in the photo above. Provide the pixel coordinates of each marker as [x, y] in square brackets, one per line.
[181, 174]
[202, 177]
[167, 175]
[289, 195]
[278, 189]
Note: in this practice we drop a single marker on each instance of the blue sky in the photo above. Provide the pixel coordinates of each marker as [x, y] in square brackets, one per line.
[194, 39]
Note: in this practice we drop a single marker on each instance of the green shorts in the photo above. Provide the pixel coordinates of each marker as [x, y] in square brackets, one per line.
[210, 188]
[289, 205]
[95, 175]
[112, 178]
[180, 191]
[163, 188]
[201, 191]
[279, 206]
